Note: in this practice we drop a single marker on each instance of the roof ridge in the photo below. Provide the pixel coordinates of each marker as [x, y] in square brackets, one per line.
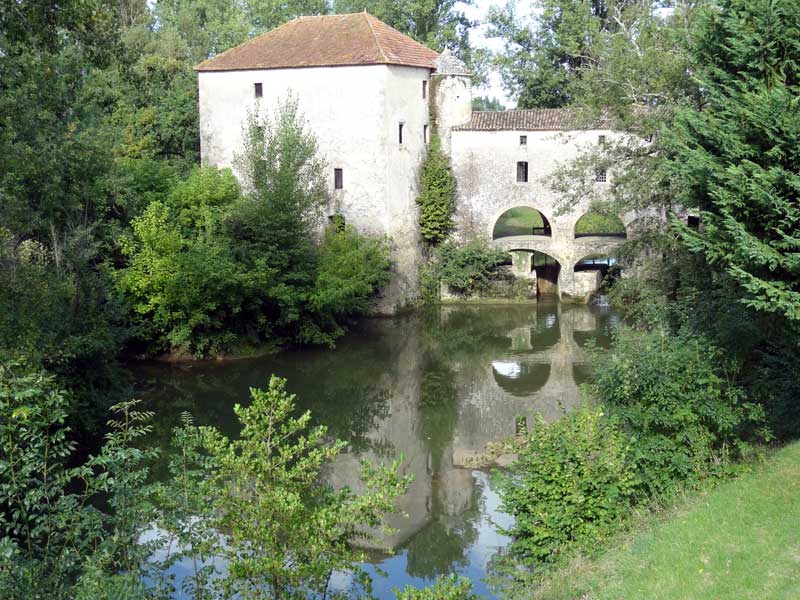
[374, 35]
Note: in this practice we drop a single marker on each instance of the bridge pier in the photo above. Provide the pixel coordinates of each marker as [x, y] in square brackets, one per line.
[522, 264]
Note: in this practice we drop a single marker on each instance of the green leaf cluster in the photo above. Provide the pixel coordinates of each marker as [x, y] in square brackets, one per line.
[437, 196]
[572, 486]
[735, 153]
[464, 269]
[675, 395]
[97, 528]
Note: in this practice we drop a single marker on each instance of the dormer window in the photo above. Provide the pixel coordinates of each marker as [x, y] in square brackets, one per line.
[258, 89]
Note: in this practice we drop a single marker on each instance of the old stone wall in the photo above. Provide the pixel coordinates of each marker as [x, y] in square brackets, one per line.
[485, 165]
[355, 114]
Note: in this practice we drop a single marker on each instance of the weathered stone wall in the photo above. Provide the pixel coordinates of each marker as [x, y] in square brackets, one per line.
[355, 113]
[485, 165]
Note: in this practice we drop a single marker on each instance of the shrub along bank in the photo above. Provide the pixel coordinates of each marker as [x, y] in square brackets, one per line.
[736, 541]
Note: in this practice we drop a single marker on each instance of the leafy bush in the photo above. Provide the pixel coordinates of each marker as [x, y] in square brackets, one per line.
[183, 281]
[77, 529]
[437, 197]
[50, 530]
[465, 269]
[351, 269]
[450, 587]
[573, 484]
[673, 395]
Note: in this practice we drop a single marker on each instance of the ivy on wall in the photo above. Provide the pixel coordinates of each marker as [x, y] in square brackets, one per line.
[437, 196]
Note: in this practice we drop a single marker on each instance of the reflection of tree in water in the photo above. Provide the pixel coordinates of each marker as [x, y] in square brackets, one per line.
[351, 410]
[438, 408]
[441, 546]
[463, 336]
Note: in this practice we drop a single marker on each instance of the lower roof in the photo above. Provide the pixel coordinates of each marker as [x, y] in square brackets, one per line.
[533, 119]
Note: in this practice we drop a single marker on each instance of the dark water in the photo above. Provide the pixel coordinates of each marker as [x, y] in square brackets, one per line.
[433, 387]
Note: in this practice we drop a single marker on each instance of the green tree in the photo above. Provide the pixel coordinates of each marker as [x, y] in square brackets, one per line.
[352, 268]
[286, 532]
[735, 153]
[437, 195]
[541, 62]
[50, 529]
[186, 288]
[486, 103]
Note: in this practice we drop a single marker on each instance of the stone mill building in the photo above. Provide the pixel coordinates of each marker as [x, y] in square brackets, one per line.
[368, 94]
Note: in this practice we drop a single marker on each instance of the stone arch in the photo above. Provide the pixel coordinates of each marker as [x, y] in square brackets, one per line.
[548, 272]
[596, 224]
[522, 220]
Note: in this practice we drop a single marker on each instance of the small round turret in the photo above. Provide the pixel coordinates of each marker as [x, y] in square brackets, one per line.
[451, 84]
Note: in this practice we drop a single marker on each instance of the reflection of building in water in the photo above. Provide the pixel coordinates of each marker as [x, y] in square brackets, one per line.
[532, 375]
[446, 408]
[399, 431]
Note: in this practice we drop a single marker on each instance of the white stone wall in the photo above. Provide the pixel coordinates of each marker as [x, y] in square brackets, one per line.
[453, 102]
[485, 165]
[354, 113]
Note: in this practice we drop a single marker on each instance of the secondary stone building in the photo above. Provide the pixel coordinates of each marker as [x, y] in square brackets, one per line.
[368, 94]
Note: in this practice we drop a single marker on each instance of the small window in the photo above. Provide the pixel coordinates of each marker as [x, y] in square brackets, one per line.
[522, 172]
[600, 175]
[424, 90]
[523, 140]
[601, 140]
[693, 221]
[338, 179]
[400, 133]
[425, 134]
[259, 90]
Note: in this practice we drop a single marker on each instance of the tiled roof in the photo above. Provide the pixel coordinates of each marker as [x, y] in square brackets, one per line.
[534, 119]
[327, 40]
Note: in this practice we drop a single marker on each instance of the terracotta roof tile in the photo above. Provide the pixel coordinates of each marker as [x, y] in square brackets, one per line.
[534, 119]
[327, 40]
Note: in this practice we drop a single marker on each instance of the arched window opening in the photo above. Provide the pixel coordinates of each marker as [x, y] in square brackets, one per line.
[521, 221]
[600, 224]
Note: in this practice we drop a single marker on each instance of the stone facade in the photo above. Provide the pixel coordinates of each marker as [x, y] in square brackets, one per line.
[356, 106]
[355, 112]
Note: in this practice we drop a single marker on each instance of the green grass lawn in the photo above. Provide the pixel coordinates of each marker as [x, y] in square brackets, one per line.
[740, 541]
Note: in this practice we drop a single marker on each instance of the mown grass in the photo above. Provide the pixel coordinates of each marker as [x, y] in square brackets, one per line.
[739, 541]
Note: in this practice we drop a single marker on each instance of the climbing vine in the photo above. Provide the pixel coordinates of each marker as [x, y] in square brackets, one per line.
[437, 195]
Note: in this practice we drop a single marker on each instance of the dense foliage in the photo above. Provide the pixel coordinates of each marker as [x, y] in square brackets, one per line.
[99, 528]
[463, 268]
[573, 484]
[677, 398]
[735, 153]
[437, 195]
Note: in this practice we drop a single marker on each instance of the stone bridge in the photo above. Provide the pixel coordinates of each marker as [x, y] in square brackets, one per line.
[507, 161]
[566, 252]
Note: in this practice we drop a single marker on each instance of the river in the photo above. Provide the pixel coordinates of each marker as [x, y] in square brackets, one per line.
[435, 387]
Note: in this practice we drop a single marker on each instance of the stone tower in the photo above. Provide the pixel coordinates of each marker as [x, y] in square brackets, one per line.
[451, 85]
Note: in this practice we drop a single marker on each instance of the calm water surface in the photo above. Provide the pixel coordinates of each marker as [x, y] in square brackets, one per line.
[433, 387]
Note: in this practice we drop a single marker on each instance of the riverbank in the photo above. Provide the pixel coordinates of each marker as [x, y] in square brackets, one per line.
[739, 540]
